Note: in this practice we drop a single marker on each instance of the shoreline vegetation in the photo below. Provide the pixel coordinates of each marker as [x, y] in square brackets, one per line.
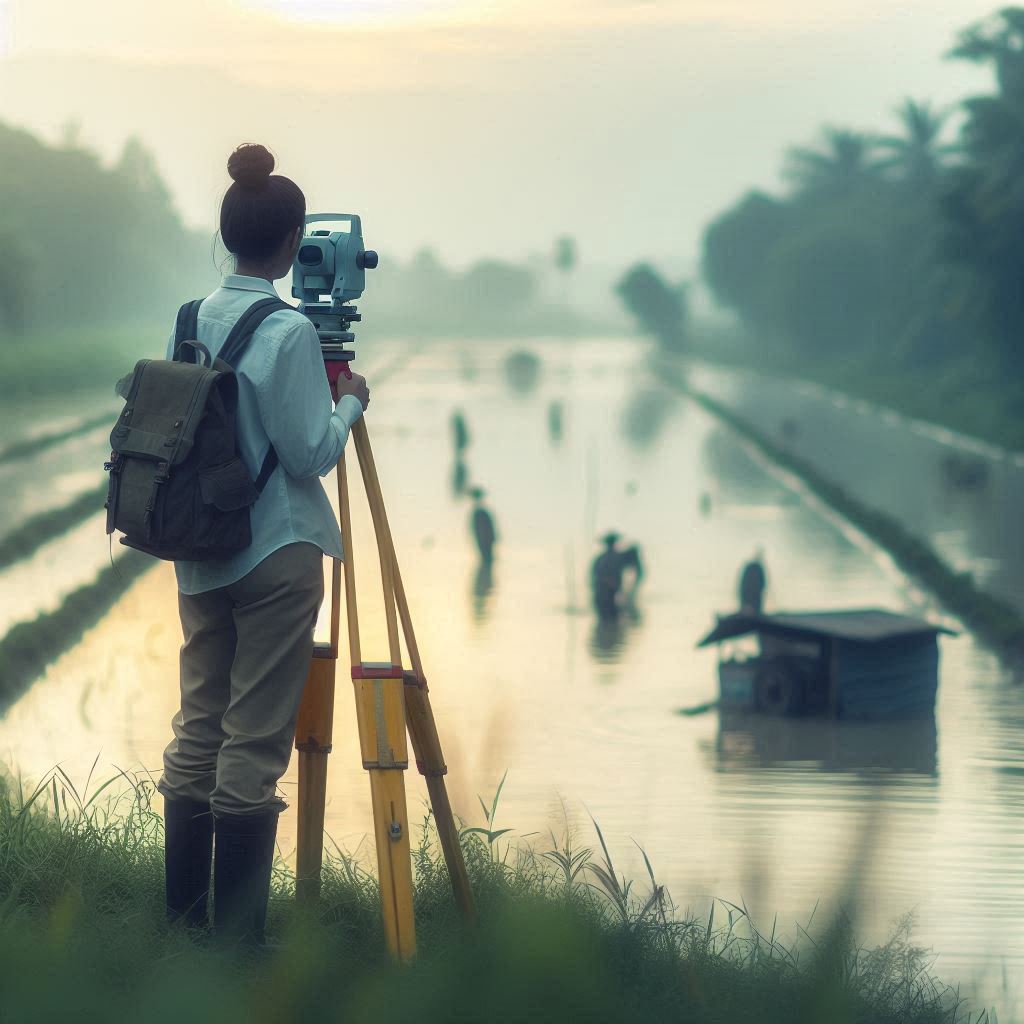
[889, 261]
[28, 648]
[561, 936]
[994, 621]
[958, 401]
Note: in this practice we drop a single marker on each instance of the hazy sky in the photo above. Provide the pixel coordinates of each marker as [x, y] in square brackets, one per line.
[485, 126]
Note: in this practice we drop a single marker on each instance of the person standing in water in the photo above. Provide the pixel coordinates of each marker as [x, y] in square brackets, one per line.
[482, 524]
[607, 572]
[247, 620]
[753, 581]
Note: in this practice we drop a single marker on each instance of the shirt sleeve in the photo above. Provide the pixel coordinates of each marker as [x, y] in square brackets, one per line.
[294, 402]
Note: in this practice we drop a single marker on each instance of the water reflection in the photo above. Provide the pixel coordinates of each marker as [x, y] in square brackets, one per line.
[555, 418]
[460, 477]
[647, 414]
[611, 632]
[522, 371]
[747, 740]
[737, 476]
[483, 585]
[960, 495]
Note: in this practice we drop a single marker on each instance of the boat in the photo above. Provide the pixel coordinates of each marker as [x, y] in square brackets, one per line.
[859, 664]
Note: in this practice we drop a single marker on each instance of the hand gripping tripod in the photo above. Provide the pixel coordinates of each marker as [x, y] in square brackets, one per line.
[389, 701]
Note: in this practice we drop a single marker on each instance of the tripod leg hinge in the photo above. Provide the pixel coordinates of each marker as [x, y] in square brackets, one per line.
[411, 679]
[431, 773]
[377, 670]
[311, 746]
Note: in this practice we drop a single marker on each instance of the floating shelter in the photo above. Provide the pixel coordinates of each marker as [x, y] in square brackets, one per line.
[867, 663]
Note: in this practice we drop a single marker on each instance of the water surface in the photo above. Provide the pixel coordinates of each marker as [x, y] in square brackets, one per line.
[583, 718]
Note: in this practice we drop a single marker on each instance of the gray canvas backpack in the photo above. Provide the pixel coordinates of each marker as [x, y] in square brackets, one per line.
[178, 488]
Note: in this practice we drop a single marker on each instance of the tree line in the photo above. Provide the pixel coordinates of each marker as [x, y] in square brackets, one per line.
[83, 244]
[86, 244]
[899, 252]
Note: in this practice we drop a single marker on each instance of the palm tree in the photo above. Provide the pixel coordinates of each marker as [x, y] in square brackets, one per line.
[843, 164]
[918, 154]
[984, 204]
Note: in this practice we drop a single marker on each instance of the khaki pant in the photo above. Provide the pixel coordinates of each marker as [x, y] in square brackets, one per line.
[244, 662]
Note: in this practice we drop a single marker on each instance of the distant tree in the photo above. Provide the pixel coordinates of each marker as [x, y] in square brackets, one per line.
[919, 155]
[138, 167]
[845, 163]
[129, 255]
[737, 251]
[659, 308]
[565, 255]
[16, 277]
[984, 204]
[495, 292]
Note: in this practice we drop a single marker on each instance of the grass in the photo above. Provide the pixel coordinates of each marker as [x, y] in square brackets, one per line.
[562, 936]
[29, 647]
[995, 622]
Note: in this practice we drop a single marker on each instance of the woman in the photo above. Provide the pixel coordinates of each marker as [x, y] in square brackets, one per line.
[248, 620]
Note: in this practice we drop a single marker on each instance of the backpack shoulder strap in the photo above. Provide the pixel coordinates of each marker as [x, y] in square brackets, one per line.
[186, 327]
[245, 327]
[232, 349]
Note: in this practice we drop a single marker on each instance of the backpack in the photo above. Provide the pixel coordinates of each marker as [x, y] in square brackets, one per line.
[178, 489]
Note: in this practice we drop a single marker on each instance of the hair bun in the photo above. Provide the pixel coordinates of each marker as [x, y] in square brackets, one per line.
[250, 165]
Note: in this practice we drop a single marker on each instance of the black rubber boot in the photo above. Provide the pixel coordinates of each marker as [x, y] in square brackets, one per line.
[242, 864]
[188, 850]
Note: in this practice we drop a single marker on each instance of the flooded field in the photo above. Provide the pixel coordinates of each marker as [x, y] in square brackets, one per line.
[585, 720]
[964, 496]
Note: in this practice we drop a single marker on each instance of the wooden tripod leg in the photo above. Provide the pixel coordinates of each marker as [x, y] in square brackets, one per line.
[380, 714]
[426, 747]
[312, 802]
[394, 860]
[313, 741]
[419, 716]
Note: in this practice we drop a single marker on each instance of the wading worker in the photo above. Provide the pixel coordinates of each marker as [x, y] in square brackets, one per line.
[248, 620]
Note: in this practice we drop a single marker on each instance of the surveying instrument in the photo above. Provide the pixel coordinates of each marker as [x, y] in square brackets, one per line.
[391, 700]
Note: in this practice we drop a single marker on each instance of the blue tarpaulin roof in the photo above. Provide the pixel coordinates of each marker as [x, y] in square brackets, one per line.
[867, 625]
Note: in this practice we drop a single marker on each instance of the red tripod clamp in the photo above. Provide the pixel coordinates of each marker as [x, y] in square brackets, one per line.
[336, 360]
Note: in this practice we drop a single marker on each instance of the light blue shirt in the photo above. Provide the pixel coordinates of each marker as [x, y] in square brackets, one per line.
[284, 399]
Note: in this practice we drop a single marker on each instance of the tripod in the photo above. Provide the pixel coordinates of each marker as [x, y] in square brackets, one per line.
[390, 700]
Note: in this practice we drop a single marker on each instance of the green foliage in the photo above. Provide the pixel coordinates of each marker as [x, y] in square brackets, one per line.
[659, 307]
[90, 244]
[984, 204]
[561, 936]
[897, 252]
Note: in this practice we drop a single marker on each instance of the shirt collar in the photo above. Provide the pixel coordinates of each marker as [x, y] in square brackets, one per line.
[248, 284]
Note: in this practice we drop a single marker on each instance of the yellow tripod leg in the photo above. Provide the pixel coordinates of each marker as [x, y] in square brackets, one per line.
[380, 714]
[313, 742]
[420, 717]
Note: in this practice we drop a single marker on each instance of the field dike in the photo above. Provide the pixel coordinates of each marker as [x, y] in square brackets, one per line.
[24, 540]
[33, 445]
[996, 623]
[29, 647]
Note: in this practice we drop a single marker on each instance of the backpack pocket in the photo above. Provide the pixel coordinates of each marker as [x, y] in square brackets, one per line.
[228, 486]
